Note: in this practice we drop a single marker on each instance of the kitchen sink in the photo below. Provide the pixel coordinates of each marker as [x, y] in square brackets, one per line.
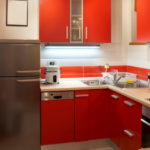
[129, 85]
[119, 84]
[92, 82]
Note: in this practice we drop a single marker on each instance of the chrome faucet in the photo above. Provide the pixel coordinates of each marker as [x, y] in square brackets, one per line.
[115, 79]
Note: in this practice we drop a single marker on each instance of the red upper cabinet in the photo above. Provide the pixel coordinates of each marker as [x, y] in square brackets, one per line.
[54, 20]
[87, 21]
[97, 21]
[143, 21]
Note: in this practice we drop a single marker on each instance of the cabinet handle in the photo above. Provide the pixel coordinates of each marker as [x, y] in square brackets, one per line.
[128, 133]
[79, 33]
[115, 96]
[82, 95]
[86, 33]
[67, 32]
[128, 103]
[145, 122]
[135, 5]
[28, 80]
[27, 71]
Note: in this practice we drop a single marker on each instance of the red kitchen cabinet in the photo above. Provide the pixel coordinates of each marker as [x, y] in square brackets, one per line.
[115, 129]
[57, 117]
[143, 21]
[97, 21]
[98, 114]
[91, 114]
[125, 127]
[130, 142]
[54, 20]
[131, 115]
[82, 115]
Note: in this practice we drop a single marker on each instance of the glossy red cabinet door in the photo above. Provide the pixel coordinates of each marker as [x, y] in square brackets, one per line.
[143, 21]
[82, 115]
[125, 115]
[131, 115]
[98, 114]
[97, 21]
[54, 20]
[130, 143]
[115, 117]
[57, 121]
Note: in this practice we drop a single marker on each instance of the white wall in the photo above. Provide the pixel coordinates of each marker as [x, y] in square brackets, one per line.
[112, 54]
[11, 32]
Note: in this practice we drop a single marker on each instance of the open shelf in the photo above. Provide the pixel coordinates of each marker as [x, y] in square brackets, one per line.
[137, 43]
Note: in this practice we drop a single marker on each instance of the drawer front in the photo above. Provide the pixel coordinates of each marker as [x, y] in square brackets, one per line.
[131, 115]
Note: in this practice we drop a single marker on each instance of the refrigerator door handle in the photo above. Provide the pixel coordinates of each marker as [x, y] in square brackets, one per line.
[27, 71]
[28, 80]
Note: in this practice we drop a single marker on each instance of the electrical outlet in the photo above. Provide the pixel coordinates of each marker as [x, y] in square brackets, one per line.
[52, 63]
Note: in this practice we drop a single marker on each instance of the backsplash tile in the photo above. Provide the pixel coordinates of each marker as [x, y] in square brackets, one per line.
[95, 71]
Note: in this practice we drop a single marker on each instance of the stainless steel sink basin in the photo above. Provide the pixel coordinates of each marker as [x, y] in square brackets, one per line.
[119, 84]
[92, 82]
[135, 85]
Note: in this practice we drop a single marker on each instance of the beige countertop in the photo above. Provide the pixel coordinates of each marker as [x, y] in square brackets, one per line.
[137, 94]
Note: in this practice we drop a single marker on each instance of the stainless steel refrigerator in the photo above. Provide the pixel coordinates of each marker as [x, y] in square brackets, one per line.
[19, 95]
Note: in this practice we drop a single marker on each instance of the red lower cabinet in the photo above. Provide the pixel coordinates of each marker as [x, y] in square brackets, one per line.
[57, 121]
[82, 115]
[131, 125]
[91, 114]
[115, 128]
[130, 140]
[98, 114]
[125, 122]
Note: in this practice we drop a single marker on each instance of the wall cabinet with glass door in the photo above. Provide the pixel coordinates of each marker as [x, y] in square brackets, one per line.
[75, 21]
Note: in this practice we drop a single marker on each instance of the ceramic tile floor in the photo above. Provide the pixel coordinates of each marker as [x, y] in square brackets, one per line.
[103, 144]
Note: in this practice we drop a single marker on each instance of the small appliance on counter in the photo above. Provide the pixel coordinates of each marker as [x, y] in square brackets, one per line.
[52, 73]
